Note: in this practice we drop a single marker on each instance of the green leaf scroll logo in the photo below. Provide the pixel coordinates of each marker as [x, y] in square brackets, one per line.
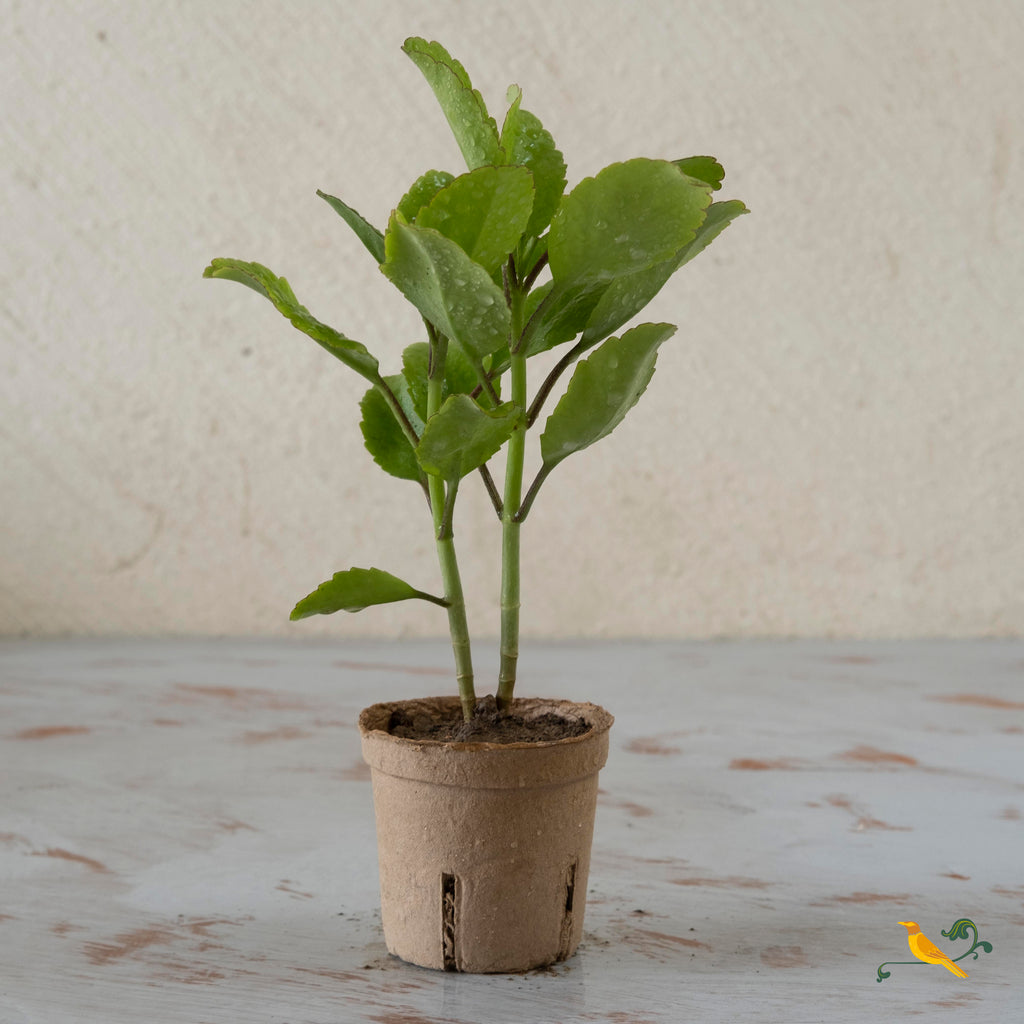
[928, 953]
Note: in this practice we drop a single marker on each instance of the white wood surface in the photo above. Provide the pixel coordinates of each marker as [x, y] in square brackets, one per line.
[186, 834]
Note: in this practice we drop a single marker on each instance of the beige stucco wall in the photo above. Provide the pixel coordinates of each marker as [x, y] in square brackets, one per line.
[832, 444]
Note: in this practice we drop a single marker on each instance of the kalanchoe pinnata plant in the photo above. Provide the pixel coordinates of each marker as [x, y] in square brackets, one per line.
[469, 252]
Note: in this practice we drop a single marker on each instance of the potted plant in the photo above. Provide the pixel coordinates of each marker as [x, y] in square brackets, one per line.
[485, 808]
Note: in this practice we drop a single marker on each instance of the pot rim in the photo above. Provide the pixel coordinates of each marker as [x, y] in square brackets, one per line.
[486, 765]
[597, 718]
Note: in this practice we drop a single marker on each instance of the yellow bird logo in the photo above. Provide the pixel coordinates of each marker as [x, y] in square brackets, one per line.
[924, 949]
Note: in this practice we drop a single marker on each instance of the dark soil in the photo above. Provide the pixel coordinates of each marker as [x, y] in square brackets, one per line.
[488, 725]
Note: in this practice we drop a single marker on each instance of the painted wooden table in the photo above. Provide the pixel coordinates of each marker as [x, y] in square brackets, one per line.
[186, 834]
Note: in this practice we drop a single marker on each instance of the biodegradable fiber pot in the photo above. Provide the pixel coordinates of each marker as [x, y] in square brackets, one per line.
[484, 847]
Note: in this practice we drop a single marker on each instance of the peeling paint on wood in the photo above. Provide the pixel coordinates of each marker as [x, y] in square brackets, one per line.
[784, 956]
[48, 732]
[760, 764]
[77, 858]
[978, 700]
[872, 755]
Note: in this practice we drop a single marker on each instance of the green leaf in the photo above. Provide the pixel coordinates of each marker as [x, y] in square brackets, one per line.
[563, 312]
[455, 294]
[415, 367]
[531, 253]
[365, 232]
[484, 211]
[720, 216]
[474, 130]
[423, 189]
[535, 298]
[626, 296]
[254, 275]
[623, 299]
[356, 589]
[527, 143]
[628, 217]
[703, 168]
[383, 435]
[599, 307]
[495, 365]
[459, 376]
[603, 388]
[461, 436]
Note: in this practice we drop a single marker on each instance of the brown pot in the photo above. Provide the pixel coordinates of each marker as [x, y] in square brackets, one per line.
[484, 848]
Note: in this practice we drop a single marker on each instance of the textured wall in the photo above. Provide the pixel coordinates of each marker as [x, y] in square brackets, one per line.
[832, 443]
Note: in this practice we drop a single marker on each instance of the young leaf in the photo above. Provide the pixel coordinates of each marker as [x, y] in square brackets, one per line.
[628, 217]
[254, 275]
[461, 436]
[459, 376]
[484, 211]
[603, 388]
[384, 437]
[626, 296]
[703, 168]
[365, 232]
[423, 189]
[526, 143]
[356, 589]
[474, 130]
[455, 294]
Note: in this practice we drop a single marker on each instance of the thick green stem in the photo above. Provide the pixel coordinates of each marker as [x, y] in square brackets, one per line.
[458, 627]
[510, 526]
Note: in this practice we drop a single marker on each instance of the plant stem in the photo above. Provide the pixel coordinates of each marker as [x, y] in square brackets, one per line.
[492, 490]
[510, 600]
[399, 413]
[488, 387]
[535, 272]
[531, 494]
[441, 509]
[458, 627]
[549, 382]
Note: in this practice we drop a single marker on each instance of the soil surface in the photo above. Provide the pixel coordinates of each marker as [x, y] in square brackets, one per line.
[488, 725]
